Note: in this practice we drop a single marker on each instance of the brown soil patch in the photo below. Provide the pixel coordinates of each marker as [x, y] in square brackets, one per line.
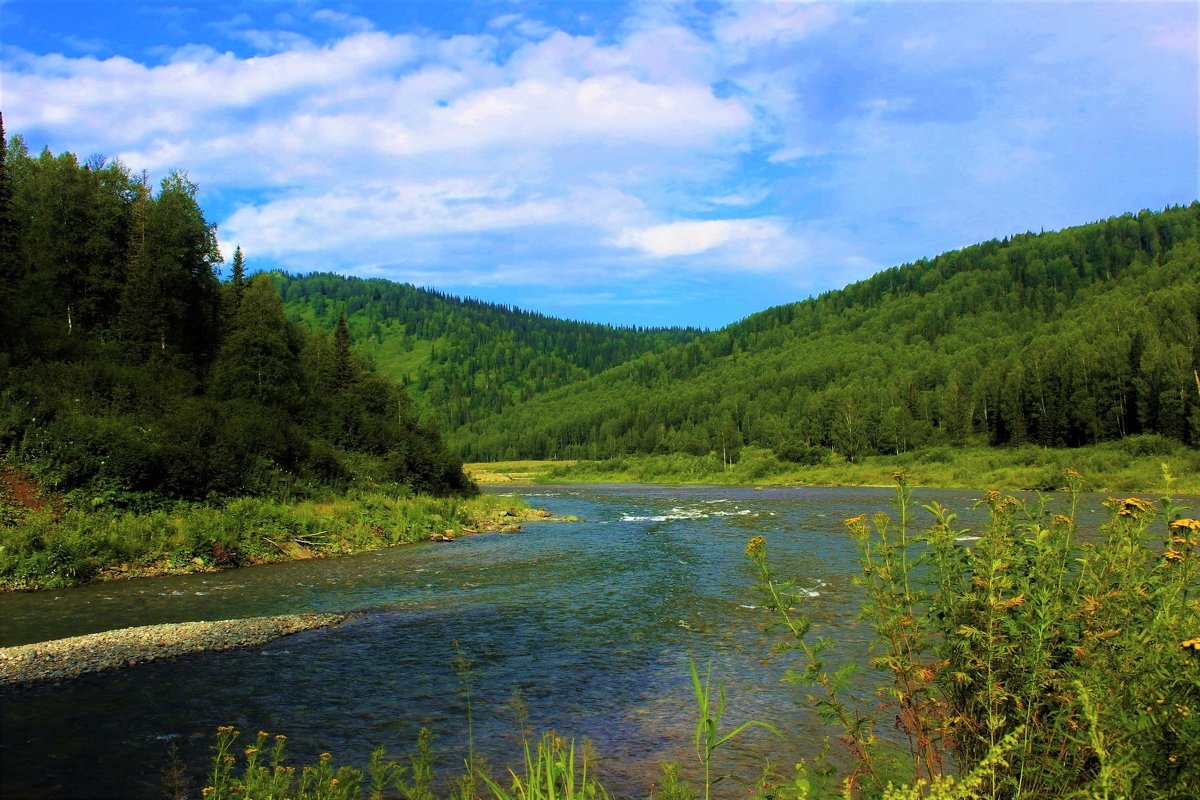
[16, 488]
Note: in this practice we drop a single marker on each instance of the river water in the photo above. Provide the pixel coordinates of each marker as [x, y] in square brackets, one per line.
[588, 625]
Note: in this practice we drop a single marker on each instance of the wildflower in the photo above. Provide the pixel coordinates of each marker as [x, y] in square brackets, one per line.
[1061, 519]
[206, 791]
[1074, 475]
[1187, 524]
[251, 751]
[900, 476]
[324, 758]
[755, 547]
[279, 737]
[1173, 555]
[853, 521]
[1191, 644]
[1132, 506]
[333, 781]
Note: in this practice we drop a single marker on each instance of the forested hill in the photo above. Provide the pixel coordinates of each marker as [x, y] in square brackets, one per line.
[1059, 339]
[465, 359]
[131, 376]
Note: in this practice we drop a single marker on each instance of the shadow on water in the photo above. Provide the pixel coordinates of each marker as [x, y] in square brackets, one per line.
[591, 624]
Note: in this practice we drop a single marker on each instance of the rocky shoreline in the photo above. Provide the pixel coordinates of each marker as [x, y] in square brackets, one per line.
[68, 658]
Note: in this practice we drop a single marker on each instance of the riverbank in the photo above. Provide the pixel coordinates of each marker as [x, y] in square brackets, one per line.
[1132, 465]
[94, 652]
[50, 548]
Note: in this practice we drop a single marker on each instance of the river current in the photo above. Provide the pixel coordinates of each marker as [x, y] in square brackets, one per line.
[585, 628]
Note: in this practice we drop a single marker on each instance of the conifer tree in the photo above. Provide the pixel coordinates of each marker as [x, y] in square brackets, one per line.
[343, 371]
[258, 360]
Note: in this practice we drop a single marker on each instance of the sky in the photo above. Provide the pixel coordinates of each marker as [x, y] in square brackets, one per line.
[634, 163]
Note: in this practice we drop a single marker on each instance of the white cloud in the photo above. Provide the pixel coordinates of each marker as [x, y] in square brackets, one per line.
[688, 238]
[523, 152]
[757, 24]
[343, 22]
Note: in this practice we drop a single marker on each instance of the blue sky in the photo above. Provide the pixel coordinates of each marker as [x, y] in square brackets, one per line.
[642, 163]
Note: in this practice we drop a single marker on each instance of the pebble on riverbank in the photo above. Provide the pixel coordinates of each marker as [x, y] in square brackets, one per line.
[93, 652]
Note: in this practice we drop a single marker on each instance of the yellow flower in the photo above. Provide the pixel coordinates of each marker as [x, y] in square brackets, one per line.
[756, 546]
[1061, 519]
[1135, 505]
[251, 751]
[1173, 555]
[850, 523]
[324, 758]
[1187, 524]
[1191, 644]
[206, 791]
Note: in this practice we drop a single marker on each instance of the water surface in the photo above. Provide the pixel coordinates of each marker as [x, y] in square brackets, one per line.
[591, 624]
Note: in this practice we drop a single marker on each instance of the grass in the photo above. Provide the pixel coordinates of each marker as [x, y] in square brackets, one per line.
[492, 472]
[1130, 465]
[51, 548]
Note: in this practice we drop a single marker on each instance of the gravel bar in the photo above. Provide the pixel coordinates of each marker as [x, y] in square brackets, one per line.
[68, 658]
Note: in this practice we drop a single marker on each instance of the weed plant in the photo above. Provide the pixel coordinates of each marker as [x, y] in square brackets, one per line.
[1029, 663]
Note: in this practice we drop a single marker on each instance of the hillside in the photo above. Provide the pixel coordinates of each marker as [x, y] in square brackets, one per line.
[462, 359]
[1057, 339]
[130, 376]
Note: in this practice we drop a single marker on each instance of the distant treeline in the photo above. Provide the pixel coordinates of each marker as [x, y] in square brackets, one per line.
[1056, 339]
[465, 359]
[130, 374]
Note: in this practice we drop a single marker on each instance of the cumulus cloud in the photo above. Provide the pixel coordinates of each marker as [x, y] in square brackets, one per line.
[692, 237]
[790, 139]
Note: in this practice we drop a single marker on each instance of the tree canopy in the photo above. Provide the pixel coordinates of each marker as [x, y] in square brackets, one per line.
[130, 374]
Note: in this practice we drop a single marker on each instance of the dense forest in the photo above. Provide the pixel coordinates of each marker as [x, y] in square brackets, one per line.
[130, 370]
[464, 359]
[1056, 339]
[131, 375]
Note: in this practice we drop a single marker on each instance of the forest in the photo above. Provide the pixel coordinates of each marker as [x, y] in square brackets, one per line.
[131, 371]
[465, 359]
[1057, 339]
[133, 376]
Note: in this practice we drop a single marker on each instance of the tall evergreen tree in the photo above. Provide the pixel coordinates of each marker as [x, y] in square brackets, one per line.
[259, 359]
[9, 257]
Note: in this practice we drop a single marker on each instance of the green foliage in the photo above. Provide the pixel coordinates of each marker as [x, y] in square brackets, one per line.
[45, 549]
[709, 736]
[133, 378]
[1065, 339]
[463, 359]
[1109, 467]
[265, 773]
[1024, 663]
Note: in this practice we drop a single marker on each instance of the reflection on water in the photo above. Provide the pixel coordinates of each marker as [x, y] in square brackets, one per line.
[590, 624]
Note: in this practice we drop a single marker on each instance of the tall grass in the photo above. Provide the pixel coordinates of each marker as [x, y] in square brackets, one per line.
[49, 549]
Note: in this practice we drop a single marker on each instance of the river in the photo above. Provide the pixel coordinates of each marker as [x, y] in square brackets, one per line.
[590, 624]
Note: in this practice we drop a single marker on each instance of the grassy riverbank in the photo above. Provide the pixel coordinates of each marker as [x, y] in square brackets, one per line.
[45, 547]
[1133, 464]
